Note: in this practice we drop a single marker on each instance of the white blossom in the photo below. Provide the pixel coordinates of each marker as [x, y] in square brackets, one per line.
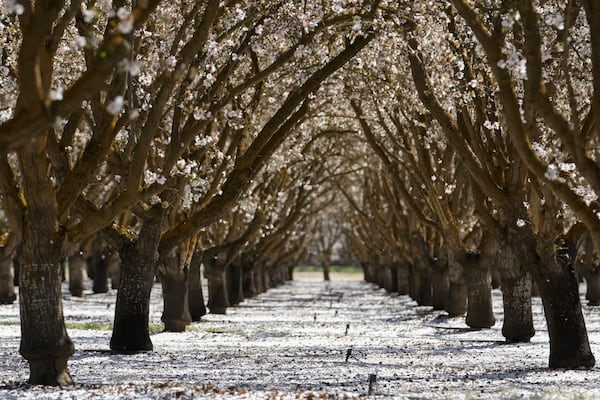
[552, 172]
[116, 105]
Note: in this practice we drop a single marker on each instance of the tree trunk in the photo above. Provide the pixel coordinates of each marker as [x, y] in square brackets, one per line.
[480, 311]
[174, 281]
[259, 279]
[326, 271]
[218, 301]
[569, 344]
[45, 343]
[592, 281]
[235, 279]
[99, 265]
[516, 299]
[16, 270]
[195, 294]
[77, 266]
[368, 272]
[389, 279]
[440, 286]
[248, 284]
[138, 268]
[114, 269]
[456, 302]
[402, 277]
[7, 281]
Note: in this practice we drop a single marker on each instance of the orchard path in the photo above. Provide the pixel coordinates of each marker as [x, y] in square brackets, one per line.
[293, 341]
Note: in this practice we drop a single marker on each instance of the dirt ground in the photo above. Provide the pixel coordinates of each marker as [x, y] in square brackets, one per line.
[306, 339]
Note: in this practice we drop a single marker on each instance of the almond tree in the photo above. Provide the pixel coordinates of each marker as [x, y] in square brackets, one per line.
[533, 110]
[33, 177]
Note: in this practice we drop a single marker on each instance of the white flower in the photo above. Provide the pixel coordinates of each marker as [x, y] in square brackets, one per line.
[88, 16]
[116, 105]
[171, 62]
[56, 94]
[125, 26]
[521, 222]
[357, 24]
[551, 172]
[122, 13]
[80, 41]
[201, 114]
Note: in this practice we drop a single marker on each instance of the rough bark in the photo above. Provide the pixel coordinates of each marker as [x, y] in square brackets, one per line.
[45, 343]
[569, 344]
[516, 299]
[138, 268]
[480, 312]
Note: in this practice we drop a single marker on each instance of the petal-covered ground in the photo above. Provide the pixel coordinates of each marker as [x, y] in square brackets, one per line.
[305, 339]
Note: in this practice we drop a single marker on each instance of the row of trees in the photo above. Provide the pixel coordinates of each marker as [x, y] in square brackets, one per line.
[483, 123]
[158, 126]
[444, 140]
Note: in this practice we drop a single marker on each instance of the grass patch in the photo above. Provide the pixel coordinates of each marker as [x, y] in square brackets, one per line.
[156, 328]
[104, 326]
[89, 326]
[344, 269]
